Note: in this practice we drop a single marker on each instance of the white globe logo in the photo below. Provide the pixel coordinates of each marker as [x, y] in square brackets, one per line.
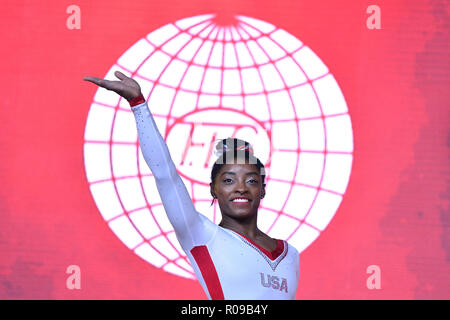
[204, 81]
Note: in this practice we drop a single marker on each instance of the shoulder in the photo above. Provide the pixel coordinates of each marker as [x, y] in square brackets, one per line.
[292, 250]
[206, 224]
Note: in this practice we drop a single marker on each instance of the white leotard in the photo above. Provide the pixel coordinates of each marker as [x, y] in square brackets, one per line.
[228, 265]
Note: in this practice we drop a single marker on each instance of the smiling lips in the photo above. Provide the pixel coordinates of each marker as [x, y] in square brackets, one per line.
[241, 200]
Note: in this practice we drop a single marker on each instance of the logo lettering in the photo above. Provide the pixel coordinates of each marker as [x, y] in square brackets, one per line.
[274, 282]
[374, 281]
[74, 280]
[74, 20]
[263, 283]
[374, 20]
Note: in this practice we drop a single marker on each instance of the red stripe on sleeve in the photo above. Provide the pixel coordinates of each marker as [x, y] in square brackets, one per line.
[208, 270]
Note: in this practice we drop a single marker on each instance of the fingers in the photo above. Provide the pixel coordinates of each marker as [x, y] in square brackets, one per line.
[103, 82]
[107, 84]
[97, 81]
[120, 75]
[126, 87]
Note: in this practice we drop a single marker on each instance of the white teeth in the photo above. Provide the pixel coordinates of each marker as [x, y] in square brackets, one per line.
[240, 200]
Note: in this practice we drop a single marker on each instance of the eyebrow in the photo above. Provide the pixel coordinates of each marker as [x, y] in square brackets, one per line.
[247, 174]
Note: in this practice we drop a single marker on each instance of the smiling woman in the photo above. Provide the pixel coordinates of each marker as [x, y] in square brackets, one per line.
[232, 260]
[237, 182]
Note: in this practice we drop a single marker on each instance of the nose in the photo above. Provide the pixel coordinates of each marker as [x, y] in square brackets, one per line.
[241, 186]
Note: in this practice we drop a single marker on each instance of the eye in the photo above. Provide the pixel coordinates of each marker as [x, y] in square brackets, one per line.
[227, 180]
[253, 181]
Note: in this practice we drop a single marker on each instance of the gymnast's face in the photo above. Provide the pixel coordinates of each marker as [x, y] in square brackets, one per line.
[239, 189]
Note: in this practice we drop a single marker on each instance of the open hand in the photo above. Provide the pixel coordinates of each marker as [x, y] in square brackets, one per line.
[127, 88]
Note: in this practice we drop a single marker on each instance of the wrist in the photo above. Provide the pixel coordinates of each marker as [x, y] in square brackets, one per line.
[137, 100]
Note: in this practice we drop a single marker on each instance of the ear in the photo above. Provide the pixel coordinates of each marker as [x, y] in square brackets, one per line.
[263, 191]
[211, 190]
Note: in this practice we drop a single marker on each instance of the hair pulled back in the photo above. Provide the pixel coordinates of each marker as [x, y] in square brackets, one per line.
[232, 151]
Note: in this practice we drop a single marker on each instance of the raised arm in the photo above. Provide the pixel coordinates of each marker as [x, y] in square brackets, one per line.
[190, 227]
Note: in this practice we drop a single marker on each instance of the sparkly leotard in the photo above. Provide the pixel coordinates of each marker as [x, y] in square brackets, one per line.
[227, 264]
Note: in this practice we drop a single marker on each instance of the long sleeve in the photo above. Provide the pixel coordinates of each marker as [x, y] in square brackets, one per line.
[227, 265]
[191, 228]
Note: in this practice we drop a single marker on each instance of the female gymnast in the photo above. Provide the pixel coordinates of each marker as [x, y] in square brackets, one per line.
[232, 260]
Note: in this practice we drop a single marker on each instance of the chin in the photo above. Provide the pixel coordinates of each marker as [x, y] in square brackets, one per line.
[243, 215]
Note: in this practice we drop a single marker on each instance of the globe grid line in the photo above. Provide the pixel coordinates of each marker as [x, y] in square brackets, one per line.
[182, 77]
[181, 254]
[150, 208]
[280, 212]
[225, 36]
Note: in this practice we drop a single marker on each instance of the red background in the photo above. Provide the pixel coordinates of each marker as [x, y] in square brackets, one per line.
[395, 211]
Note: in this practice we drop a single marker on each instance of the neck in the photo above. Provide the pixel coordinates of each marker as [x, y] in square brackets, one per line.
[246, 227]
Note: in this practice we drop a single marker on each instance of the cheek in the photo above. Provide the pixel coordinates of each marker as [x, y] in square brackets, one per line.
[221, 195]
[259, 191]
[223, 190]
